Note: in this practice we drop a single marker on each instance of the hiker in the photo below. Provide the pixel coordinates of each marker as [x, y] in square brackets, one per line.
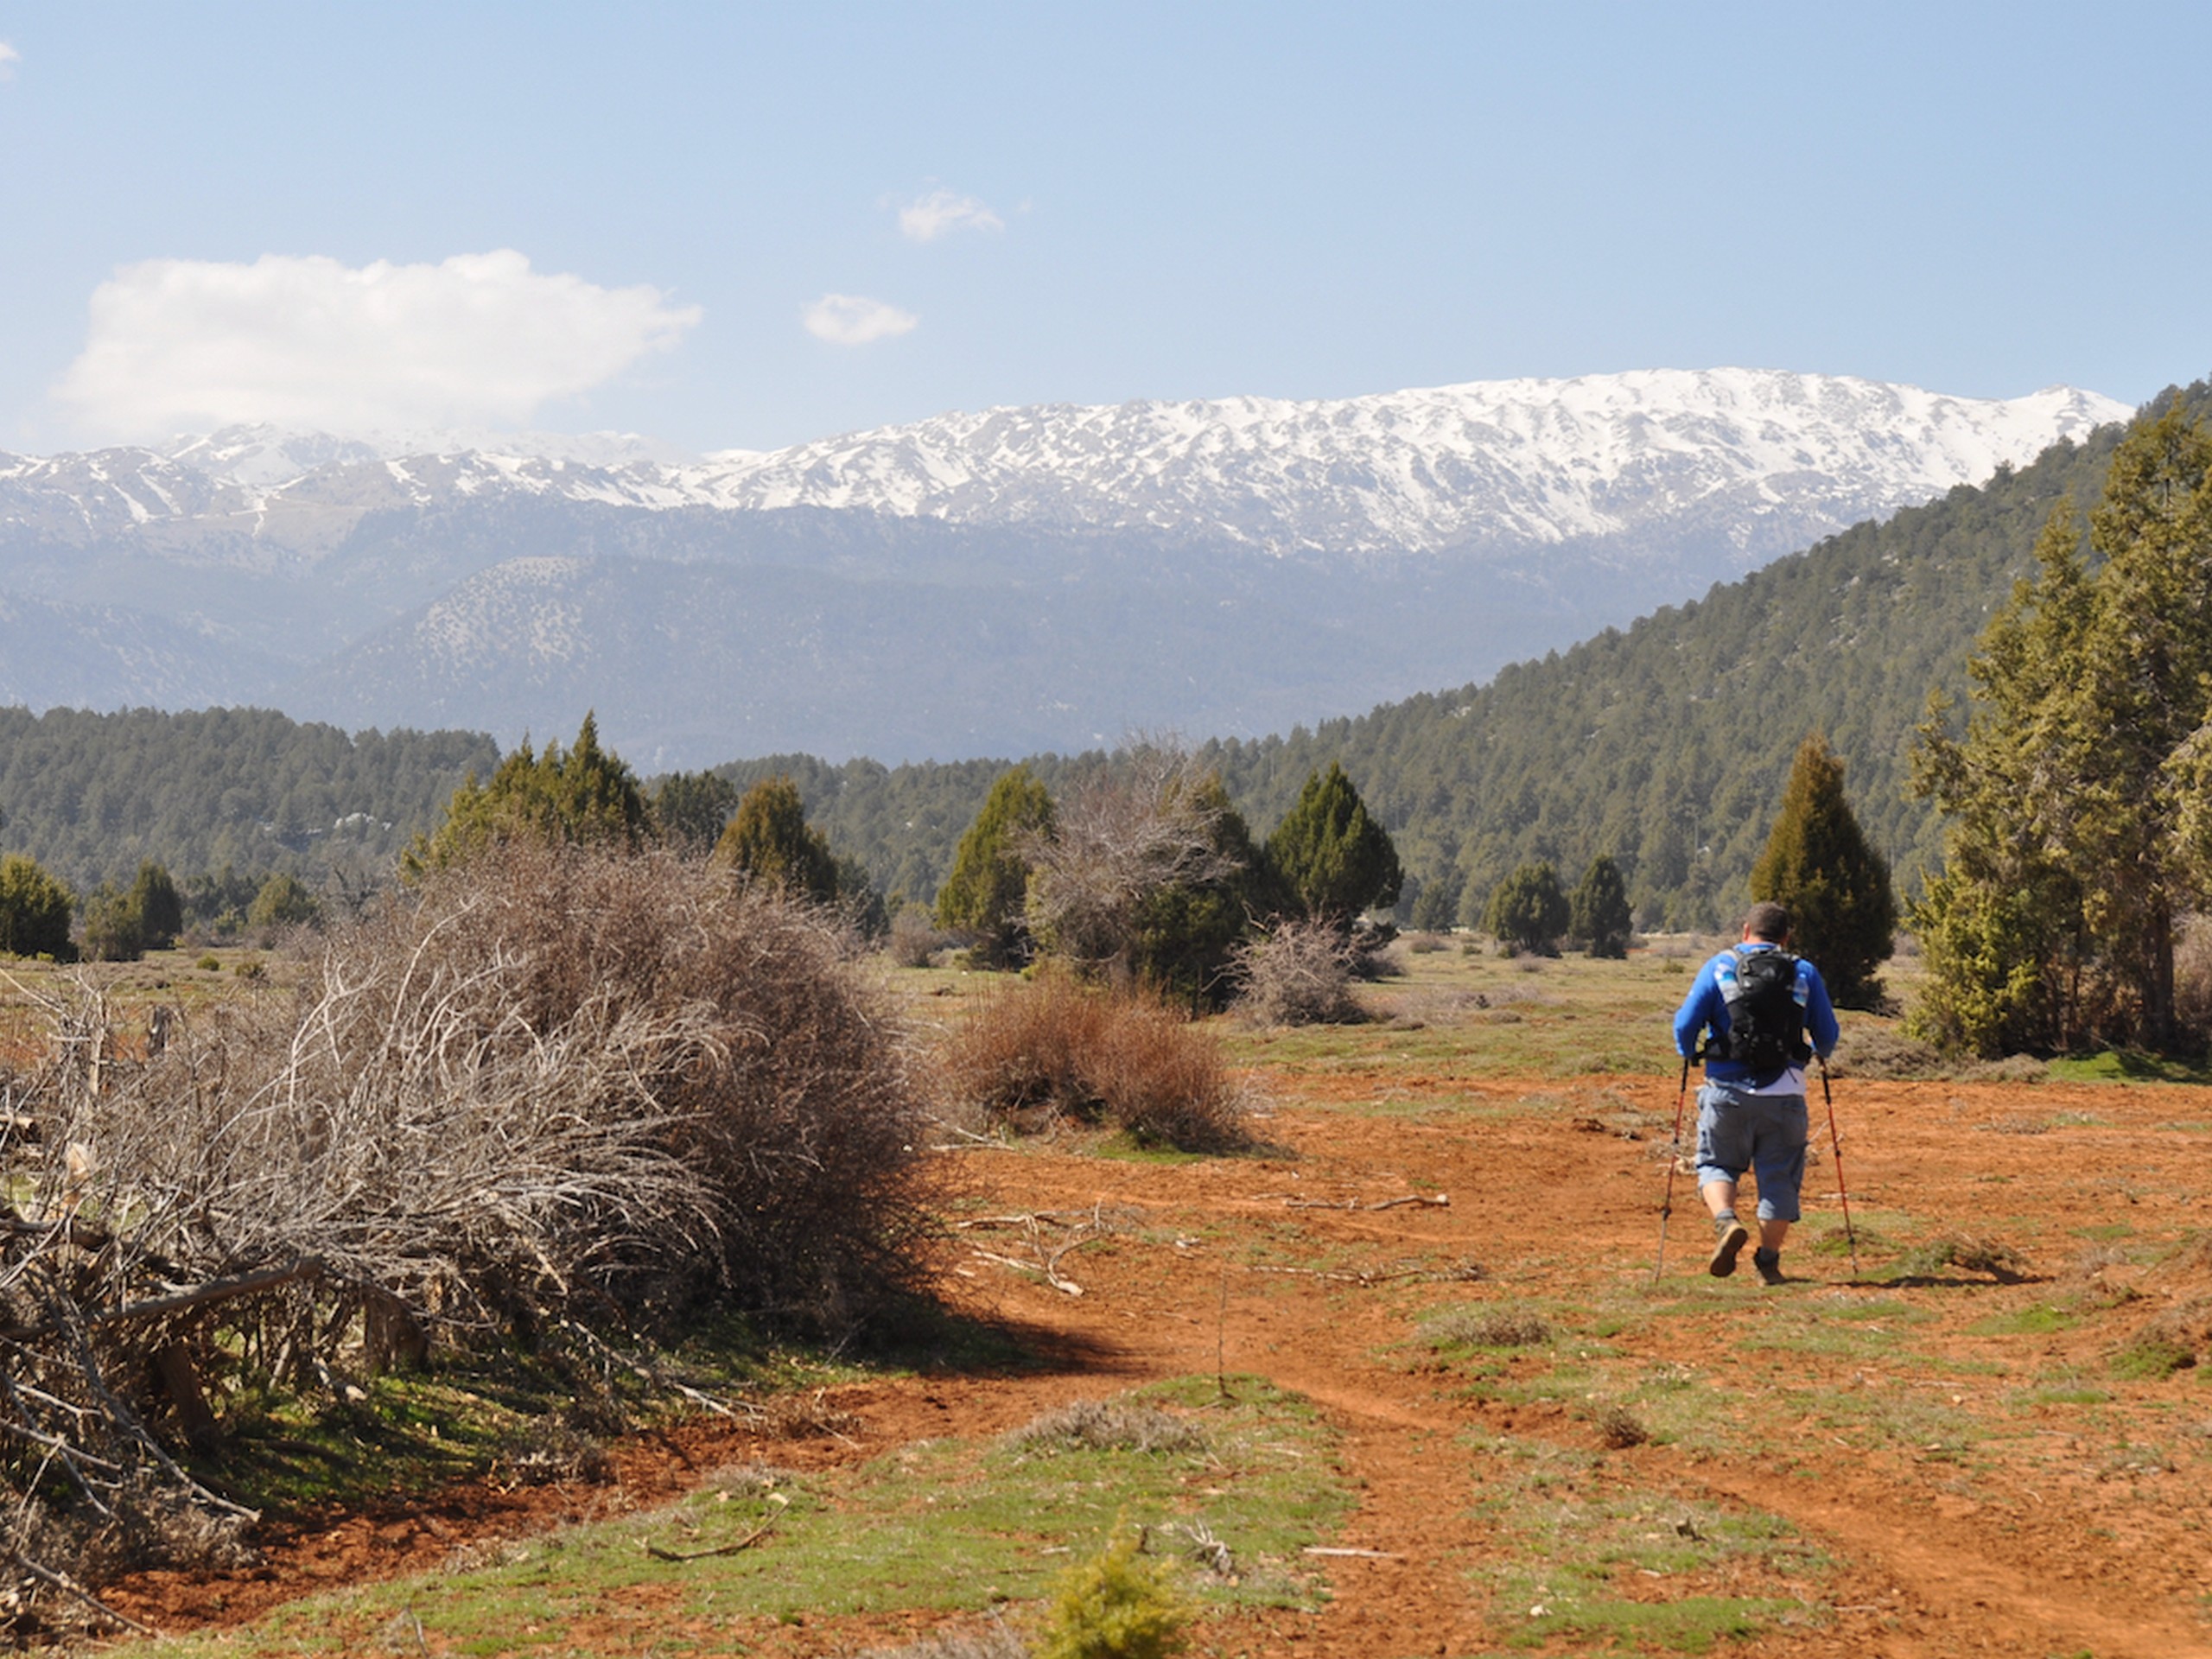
[1760, 1004]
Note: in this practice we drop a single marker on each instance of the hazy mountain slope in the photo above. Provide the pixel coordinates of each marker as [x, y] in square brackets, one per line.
[1664, 745]
[975, 584]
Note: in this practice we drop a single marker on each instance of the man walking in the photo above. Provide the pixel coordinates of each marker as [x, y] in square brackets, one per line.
[1760, 1005]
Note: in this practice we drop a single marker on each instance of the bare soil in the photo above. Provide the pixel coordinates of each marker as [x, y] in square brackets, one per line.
[2079, 1529]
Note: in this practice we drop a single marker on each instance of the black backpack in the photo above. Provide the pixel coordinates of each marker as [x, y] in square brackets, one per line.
[1766, 1024]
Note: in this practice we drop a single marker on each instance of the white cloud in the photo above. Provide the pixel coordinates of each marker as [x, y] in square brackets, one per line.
[852, 319]
[181, 344]
[941, 212]
[9, 59]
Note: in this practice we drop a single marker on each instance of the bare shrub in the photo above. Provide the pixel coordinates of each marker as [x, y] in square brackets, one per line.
[1618, 1427]
[1490, 1327]
[552, 1453]
[914, 939]
[1036, 1054]
[1298, 974]
[1112, 1426]
[1123, 834]
[550, 1087]
[991, 1641]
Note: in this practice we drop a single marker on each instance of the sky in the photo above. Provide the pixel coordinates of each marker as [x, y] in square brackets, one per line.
[732, 226]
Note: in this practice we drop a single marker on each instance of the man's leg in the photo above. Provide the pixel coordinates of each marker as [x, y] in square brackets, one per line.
[1729, 1235]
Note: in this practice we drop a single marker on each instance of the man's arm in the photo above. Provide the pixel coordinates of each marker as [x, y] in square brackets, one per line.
[1820, 1015]
[1697, 1012]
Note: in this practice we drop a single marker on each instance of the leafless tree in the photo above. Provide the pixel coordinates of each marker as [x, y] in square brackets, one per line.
[1144, 822]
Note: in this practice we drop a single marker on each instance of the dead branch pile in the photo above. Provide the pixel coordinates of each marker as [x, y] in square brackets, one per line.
[559, 1089]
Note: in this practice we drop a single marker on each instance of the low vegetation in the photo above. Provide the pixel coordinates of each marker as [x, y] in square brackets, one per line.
[560, 1092]
[1054, 1051]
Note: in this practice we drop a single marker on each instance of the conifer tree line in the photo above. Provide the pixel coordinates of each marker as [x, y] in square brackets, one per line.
[2048, 807]
[2077, 793]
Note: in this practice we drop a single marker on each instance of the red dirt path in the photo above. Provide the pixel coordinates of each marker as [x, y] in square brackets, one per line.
[2048, 1540]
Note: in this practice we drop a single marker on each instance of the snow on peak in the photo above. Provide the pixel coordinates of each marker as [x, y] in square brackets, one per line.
[1512, 461]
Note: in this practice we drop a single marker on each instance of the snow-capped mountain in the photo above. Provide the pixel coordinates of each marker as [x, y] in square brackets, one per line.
[1495, 462]
[976, 584]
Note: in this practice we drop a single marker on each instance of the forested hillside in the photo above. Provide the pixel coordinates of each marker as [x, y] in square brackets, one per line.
[1664, 745]
[90, 795]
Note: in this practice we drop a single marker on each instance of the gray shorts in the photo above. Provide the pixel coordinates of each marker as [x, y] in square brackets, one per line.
[1738, 1130]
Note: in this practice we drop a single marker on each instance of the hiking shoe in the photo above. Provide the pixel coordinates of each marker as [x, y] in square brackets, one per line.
[1769, 1262]
[1733, 1236]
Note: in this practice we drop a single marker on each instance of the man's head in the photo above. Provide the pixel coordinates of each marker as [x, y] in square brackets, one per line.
[1768, 922]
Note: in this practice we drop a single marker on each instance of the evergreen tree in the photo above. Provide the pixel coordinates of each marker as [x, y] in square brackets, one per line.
[111, 926]
[1598, 914]
[587, 795]
[1817, 865]
[1528, 911]
[692, 809]
[1331, 856]
[769, 840]
[155, 904]
[984, 895]
[35, 911]
[2076, 797]
[284, 901]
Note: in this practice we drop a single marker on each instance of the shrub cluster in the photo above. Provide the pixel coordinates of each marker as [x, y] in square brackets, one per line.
[1300, 974]
[561, 1085]
[1053, 1050]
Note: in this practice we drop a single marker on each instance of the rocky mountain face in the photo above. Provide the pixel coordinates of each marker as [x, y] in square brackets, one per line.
[990, 583]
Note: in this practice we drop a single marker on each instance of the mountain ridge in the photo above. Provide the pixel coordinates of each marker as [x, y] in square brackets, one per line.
[1045, 577]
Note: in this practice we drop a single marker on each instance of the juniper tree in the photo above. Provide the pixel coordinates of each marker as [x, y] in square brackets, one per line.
[159, 910]
[587, 795]
[1528, 911]
[984, 895]
[1127, 837]
[1817, 864]
[1332, 858]
[770, 841]
[2076, 796]
[34, 910]
[1598, 912]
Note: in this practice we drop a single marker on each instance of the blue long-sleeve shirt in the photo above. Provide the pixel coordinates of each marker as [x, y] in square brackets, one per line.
[1704, 1009]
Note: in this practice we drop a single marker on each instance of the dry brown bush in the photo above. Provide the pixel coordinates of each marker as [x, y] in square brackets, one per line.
[1036, 1054]
[557, 1086]
[913, 938]
[1112, 1426]
[1298, 974]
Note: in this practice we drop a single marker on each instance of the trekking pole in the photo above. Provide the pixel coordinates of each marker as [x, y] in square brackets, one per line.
[1836, 1141]
[1673, 1162]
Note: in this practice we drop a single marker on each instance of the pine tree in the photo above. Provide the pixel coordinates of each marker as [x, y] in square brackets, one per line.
[1599, 915]
[1817, 864]
[1332, 858]
[984, 895]
[1528, 911]
[769, 840]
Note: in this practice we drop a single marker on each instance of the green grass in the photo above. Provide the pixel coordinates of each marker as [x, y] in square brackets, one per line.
[944, 1525]
[2127, 1066]
[1591, 1561]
